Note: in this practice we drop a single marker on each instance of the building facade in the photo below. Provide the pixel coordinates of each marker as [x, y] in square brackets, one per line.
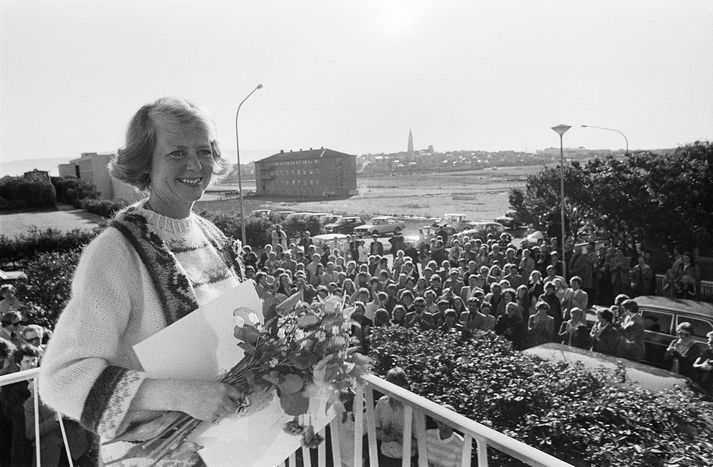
[315, 173]
[93, 167]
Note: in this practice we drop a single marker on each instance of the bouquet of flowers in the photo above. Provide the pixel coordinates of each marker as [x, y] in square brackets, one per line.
[303, 352]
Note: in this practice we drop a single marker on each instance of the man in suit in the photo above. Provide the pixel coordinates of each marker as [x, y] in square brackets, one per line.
[419, 317]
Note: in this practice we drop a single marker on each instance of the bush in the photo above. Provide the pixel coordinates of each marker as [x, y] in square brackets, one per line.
[48, 285]
[27, 246]
[580, 416]
[71, 190]
[18, 192]
[257, 229]
[295, 226]
[102, 207]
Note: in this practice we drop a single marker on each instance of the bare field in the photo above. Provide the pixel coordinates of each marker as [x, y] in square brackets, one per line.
[480, 194]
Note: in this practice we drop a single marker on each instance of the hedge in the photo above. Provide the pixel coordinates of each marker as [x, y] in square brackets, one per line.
[27, 246]
[72, 190]
[19, 192]
[580, 416]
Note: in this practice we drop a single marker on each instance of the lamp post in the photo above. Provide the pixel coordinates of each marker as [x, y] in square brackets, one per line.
[626, 140]
[240, 181]
[561, 130]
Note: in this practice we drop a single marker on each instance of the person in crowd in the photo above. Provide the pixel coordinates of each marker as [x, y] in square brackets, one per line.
[279, 237]
[389, 421]
[619, 266]
[495, 298]
[631, 340]
[444, 447]
[381, 318]
[641, 277]
[681, 352]
[11, 322]
[668, 286]
[554, 303]
[574, 296]
[484, 320]
[32, 334]
[535, 284]
[511, 326]
[527, 264]
[25, 357]
[249, 257]
[361, 327]
[398, 316]
[574, 331]
[704, 365]
[140, 275]
[9, 301]
[451, 324]
[604, 336]
[523, 298]
[7, 365]
[376, 248]
[513, 275]
[540, 326]
[419, 317]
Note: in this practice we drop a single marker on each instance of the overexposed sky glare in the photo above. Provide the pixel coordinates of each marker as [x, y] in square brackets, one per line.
[356, 76]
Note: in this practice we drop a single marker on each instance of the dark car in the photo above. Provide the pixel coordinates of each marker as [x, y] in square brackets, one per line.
[345, 225]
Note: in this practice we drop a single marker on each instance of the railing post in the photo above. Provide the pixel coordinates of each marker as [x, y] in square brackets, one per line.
[371, 427]
[482, 446]
[321, 450]
[336, 447]
[406, 451]
[467, 451]
[64, 438]
[358, 422]
[36, 403]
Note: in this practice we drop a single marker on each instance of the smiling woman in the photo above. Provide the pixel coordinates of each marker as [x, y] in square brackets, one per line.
[156, 263]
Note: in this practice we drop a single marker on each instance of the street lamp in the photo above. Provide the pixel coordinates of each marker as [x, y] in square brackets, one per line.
[561, 130]
[240, 181]
[626, 140]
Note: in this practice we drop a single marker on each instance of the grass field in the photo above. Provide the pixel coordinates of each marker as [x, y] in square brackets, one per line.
[480, 194]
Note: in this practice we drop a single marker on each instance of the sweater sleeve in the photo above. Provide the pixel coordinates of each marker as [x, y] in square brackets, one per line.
[79, 376]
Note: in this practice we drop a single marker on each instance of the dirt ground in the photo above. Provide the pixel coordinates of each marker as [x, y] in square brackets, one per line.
[480, 194]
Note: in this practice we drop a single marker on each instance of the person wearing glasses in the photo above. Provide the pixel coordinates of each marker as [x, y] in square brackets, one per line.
[11, 327]
[681, 351]
[32, 334]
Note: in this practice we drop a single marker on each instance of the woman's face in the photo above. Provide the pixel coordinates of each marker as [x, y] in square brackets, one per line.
[181, 169]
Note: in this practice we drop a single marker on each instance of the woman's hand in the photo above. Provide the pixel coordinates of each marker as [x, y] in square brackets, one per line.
[206, 400]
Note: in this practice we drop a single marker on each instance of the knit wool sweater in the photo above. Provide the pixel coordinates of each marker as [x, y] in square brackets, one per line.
[90, 371]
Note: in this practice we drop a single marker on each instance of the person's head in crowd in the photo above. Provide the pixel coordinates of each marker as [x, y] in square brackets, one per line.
[495, 288]
[397, 376]
[330, 266]
[7, 349]
[384, 276]
[525, 252]
[427, 274]
[287, 255]
[374, 283]
[391, 290]
[486, 307]
[310, 251]
[364, 268]
[504, 284]
[550, 288]
[373, 259]
[443, 305]
[439, 243]
[11, 320]
[383, 297]
[421, 303]
[605, 316]
[473, 304]
[450, 316]
[398, 314]
[300, 267]
[630, 306]
[363, 295]
[453, 274]
[272, 255]
[341, 277]
[575, 282]
[26, 357]
[316, 258]
[319, 269]
[435, 281]
[332, 287]
[407, 298]
[421, 283]
[381, 317]
[362, 279]
[577, 315]
[322, 292]
[402, 280]
[384, 262]
[351, 266]
[494, 271]
[249, 272]
[300, 280]
[495, 248]
[458, 304]
[512, 310]
[521, 292]
[542, 307]
[535, 276]
[358, 311]
[620, 299]
[338, 292]
[509, 295]
[349, 287]
[261, 278]
[550, 270]
[279, 250]
[32, 334]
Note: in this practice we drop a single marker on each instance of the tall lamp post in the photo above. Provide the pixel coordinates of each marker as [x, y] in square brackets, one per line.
[240, 181]
[561, 130]
[626, 140]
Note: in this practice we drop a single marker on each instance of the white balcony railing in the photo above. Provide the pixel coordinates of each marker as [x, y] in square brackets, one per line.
[414, 404]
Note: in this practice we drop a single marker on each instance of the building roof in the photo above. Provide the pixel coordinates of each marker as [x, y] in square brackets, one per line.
[307, 154]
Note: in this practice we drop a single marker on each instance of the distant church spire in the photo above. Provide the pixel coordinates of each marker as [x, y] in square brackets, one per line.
[410, 142]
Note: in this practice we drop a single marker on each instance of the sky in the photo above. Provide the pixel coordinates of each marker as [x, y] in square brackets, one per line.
[356, 76]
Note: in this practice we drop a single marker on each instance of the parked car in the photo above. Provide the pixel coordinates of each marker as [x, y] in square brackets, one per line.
[332, 239]
[452, 223]
[481, 229]
[534, 237]
[661, 316]
[345, 225]
[648, 377]
[509, 220]
[380, 225]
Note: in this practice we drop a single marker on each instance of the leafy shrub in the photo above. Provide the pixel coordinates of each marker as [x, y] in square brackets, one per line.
[295, 226]
[71, 190]
[583, 417]
[48, 285]
[27, 246]
[18, 192]
[257, 229]
[102, 207]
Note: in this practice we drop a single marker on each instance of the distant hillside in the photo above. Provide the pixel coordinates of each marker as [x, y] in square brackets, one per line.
[16, 168]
